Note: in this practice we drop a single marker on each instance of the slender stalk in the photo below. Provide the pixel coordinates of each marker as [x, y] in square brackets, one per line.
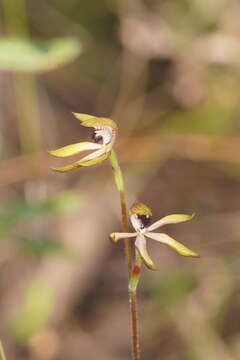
[135, 330]
[2, 354]
[128, 255]
[118, 177]
[127, 244]
[133, 283]
[135, 273]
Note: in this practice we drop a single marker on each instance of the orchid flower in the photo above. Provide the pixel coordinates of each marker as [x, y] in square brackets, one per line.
[104, 136]
[140, 216]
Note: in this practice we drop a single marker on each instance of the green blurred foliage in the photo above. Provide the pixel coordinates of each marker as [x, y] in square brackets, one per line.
[37, 307]
[22, 55]
[97, 18]
[174, 288]
[38, 246]
[19, 212]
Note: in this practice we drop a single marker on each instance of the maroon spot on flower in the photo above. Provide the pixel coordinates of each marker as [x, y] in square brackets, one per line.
[145, 220]
[136, 270]
[96, 138]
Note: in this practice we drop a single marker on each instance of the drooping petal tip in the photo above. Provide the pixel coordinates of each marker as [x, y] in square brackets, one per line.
[57, 169]
[147, 262]
[141, 247]
[172, 243]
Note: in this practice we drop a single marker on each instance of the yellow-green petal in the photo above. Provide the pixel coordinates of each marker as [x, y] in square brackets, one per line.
[91, 156]
[141, 247]
[83, 117]
[93, 121]
[175, 245]
[170, 219]
[74, 149]
[118, 236]
[140, 209]
[81, 163]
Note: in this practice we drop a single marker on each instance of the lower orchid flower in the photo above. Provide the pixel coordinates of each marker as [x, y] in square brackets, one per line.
[140, 216]
[104, 136]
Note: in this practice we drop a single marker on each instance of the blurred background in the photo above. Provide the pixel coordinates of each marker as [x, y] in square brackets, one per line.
[168, 73]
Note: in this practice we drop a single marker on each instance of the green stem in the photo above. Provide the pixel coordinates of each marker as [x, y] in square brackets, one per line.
[135, 331]
[128, 255]
[135, 273]
[133, 300]
[118, 177]
[2, 354]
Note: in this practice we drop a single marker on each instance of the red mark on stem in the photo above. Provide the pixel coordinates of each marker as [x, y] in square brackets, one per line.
[136, 270]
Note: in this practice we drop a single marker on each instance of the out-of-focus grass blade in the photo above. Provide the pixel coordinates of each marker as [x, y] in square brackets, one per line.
[35, 311]
[2, 354]
[22, 55]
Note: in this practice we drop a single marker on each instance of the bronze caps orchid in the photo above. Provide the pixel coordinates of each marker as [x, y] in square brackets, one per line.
[140, 216]
[104, 136]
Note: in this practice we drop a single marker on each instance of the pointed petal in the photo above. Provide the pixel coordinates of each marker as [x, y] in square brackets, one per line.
[170, 219]
[117, 236]
[94, 121]
[94, 155]
[142, 250]
[74, 149]
[90, 162]
[175, 245]
[83, 117]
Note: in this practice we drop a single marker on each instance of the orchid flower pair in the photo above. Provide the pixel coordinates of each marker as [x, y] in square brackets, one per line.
[140, 216]
[104, 136]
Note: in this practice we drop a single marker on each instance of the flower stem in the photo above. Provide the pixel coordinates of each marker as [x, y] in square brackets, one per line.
[128, 255]
[133, 283]
[118, 177]
[127, 244]
[135, 331]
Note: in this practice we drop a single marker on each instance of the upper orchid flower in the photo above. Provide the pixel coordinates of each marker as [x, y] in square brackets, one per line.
[140, 216]
[104, 136]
